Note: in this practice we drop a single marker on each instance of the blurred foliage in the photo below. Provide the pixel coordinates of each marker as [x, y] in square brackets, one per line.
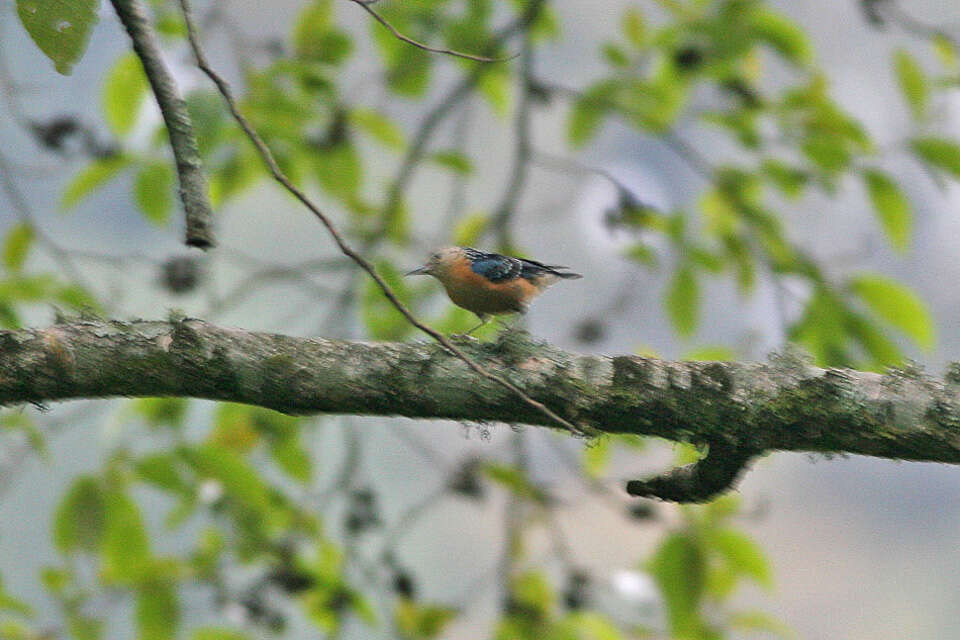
[242, 495]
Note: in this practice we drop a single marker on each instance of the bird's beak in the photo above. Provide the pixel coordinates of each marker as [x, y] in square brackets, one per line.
[419, 271]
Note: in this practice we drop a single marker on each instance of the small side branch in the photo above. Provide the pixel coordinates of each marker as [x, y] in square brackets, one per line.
[183, 141]
[701, 481]
[365, 4]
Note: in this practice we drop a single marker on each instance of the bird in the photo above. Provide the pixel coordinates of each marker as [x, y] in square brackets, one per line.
[489, 283]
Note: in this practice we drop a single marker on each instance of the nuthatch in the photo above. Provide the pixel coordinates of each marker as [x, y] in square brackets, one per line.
[489, 283]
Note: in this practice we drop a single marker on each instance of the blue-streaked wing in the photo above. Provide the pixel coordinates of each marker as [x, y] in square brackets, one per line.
[496, 268]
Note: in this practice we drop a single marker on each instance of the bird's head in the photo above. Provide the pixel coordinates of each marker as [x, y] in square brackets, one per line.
[438, 263]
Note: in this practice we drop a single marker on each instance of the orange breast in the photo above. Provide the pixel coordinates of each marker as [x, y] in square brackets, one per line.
[475, 293]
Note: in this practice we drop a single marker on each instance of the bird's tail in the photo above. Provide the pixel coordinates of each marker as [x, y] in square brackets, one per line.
[567, 275]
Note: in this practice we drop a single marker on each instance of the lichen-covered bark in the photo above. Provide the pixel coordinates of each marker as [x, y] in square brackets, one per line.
[746, 409]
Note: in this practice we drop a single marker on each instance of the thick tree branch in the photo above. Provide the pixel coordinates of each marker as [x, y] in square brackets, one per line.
[193, 182]
[741, 410]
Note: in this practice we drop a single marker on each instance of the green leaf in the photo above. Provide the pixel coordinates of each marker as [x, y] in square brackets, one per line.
[76, 297]
[898, 305]
[238, 171]
[17, 245]
[83, 627]
[339, 170]
[683, 301]
[15, 630]
[514, 480]
[495, 87]
[22, 423]
[61, 28]
[14, 605]
[596, 456]
[742, 555]
[939, 152]
[379, 126]
[881, 349]
[781, 33]
[125, 550]
[171, 25]
[316, 17]
[408, 68]
[469, 229]
[162, 471]
[790, 180]
[679, 569]
[453, 160]
[419, 621]
[153, 192]
[290, 455]
[633, 27]
[615, 55]
[55, 580]
[588, 625]
[209, 119]
[946, 52]
[913, 82]
[235, 428]
[316, 38]
[891, 206]
[158, 611]
[90, 177]
[589, 112]
[161, 412]
[79, 521]
[123, 93]
[532, 591]
[239, 479]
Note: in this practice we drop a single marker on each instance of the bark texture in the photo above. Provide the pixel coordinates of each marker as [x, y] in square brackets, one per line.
[183, 141]
[739, 410]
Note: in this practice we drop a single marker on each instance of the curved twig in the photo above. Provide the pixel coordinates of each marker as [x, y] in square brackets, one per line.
[419, 45]
[700, 481]
[345, 248]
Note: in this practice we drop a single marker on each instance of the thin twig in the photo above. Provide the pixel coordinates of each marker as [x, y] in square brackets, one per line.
[500, 222]
[556, 163]
[917, 27]
[344, 247]
[419, 45]
[183, 141]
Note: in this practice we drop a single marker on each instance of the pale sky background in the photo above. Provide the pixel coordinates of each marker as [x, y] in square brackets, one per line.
[862, 548]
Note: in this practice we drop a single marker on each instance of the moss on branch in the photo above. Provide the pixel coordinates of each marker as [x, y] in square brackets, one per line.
[740, 410]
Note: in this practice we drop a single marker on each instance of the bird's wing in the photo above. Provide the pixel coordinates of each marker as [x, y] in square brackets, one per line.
[495, 267]
[531, 269]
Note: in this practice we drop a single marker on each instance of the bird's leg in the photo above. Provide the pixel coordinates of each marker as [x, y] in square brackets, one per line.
[483, 321]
